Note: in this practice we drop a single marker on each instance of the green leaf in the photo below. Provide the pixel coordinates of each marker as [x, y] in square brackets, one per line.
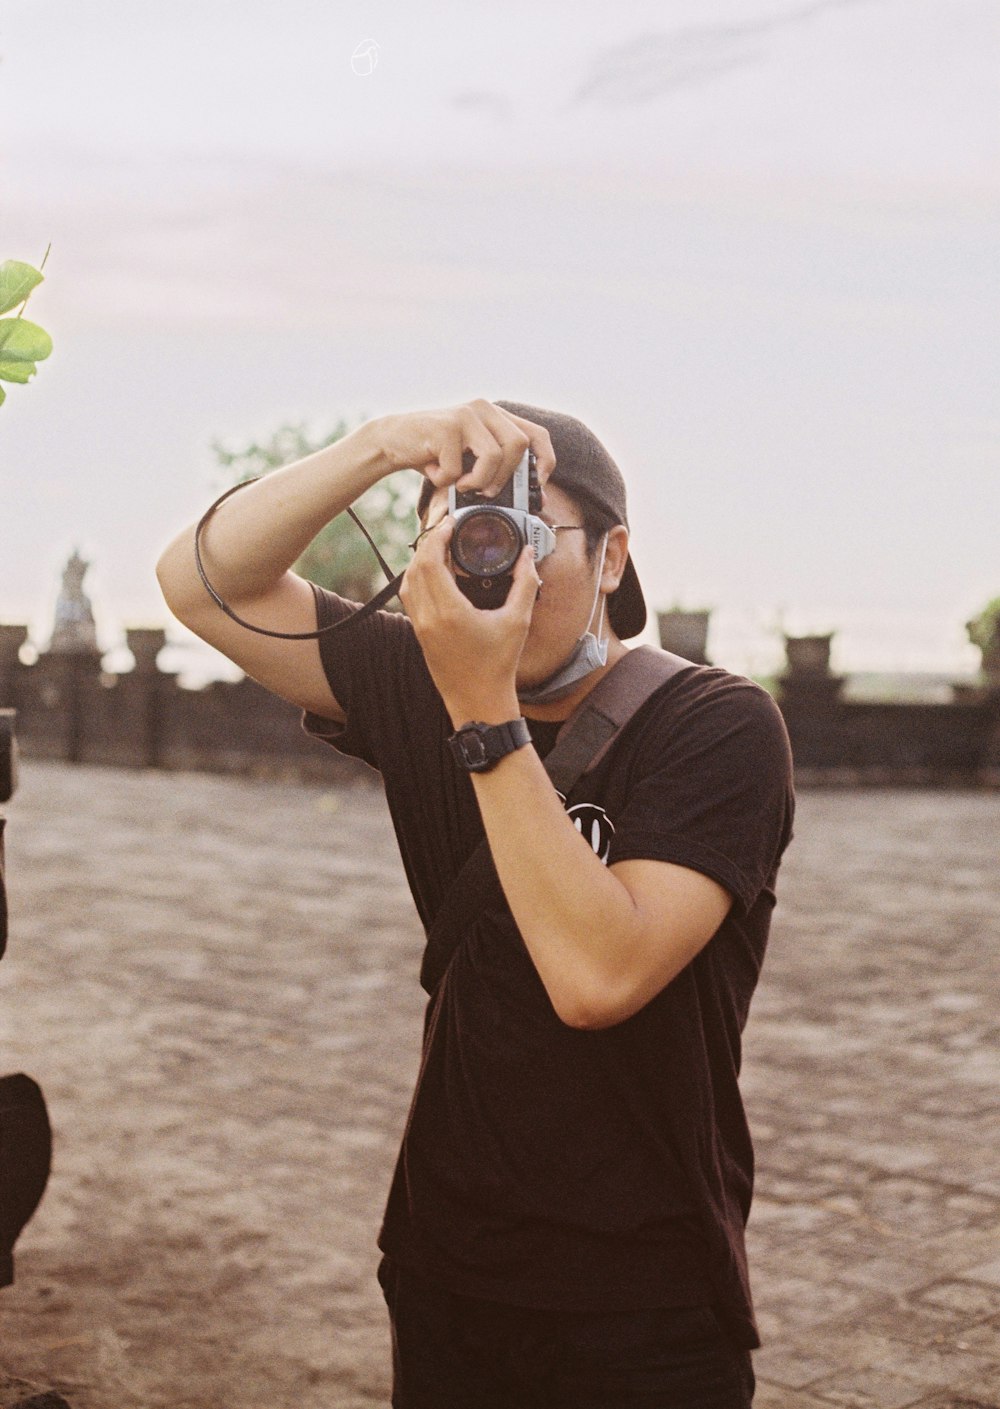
[3, 396]
[16, 282]
[21, 341]
[17, 371]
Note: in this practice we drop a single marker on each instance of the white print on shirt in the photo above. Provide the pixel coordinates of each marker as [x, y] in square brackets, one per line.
[594, 825]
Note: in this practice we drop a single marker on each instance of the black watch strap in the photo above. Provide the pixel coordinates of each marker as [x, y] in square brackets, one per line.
[478, 747]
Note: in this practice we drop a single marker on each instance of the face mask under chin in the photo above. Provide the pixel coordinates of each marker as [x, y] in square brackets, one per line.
[590, 653]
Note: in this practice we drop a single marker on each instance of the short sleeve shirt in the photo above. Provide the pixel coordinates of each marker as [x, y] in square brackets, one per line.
[543, 1165]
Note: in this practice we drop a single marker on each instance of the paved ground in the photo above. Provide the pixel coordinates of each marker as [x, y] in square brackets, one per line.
[214, 982]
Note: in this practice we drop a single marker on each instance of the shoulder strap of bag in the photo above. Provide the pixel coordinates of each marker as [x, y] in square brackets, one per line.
[580, 745]
[601, 716]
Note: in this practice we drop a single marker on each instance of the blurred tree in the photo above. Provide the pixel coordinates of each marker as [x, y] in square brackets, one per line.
[22, 344]
[984, 632]
[339, 557]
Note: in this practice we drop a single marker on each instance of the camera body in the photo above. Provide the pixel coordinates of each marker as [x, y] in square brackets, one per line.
[491, 531]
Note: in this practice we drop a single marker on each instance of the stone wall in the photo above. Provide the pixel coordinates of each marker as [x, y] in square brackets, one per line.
[852, 742]
[856, 742]
[69, 709]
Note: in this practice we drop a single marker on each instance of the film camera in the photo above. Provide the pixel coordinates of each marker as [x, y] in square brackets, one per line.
[490, 532]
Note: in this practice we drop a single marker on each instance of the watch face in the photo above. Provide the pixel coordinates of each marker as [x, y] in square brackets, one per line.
[478, 747]
[473, 748]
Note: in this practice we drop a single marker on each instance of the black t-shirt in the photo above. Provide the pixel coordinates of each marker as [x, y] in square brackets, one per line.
[543, 1165]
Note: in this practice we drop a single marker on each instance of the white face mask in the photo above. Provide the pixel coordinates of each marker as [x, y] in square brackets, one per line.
[589, 654]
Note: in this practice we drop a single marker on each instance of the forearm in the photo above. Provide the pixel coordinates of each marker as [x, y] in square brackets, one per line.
[578, 921]
[252, 539]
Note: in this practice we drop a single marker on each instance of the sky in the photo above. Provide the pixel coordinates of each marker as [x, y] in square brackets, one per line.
[752, 243]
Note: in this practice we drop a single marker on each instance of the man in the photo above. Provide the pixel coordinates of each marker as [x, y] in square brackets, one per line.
[565, 1224]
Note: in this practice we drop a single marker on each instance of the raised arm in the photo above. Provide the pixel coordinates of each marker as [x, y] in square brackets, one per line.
[250, 543]
[248, 547]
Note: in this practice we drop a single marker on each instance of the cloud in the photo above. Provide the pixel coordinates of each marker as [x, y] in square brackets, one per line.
[655, 65]
[489, 104]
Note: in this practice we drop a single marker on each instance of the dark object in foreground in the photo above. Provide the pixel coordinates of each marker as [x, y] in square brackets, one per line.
[25, 1161]
[3, 894]
[8, 754]
[25, 1133]
[8, 782]
[48, 1400]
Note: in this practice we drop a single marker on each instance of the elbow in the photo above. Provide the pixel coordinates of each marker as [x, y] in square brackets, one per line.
[590, 1007]
[591, 1018]
[588, 1020]
[163, 577]
[592, 999]
[176, 580]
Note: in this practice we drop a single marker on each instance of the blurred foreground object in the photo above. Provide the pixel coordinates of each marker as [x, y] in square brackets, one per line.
[8, 782]
[22, 344]
[25, 1133]
[25, 1161]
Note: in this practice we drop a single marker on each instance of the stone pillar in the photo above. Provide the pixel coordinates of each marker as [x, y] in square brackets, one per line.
[685, 633]
[145, 643]
[807, 679]
[12, 638]
[147, 688]
[72, 673]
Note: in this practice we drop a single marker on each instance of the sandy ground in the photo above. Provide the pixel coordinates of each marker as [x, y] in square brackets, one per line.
[214, 982]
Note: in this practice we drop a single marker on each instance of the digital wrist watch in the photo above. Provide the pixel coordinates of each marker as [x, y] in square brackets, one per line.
[478, 747]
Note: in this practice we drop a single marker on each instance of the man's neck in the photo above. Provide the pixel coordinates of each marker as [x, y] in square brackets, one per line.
[559, 710]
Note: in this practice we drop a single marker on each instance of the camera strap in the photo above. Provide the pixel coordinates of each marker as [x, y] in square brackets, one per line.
[580, 745]
[379, 600]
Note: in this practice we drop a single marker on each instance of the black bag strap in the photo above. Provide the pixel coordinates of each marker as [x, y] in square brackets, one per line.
[580, 745]
[600, 717]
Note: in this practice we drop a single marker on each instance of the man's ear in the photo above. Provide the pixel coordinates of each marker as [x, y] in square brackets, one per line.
[615, 558]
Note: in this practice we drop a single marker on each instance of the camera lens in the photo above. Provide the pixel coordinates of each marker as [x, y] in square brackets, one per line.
[485, 543]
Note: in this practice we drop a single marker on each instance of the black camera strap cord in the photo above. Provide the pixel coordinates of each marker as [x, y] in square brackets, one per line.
[379, 600]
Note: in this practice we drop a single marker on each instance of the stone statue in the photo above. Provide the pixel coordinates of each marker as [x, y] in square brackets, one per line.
[74, 631]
